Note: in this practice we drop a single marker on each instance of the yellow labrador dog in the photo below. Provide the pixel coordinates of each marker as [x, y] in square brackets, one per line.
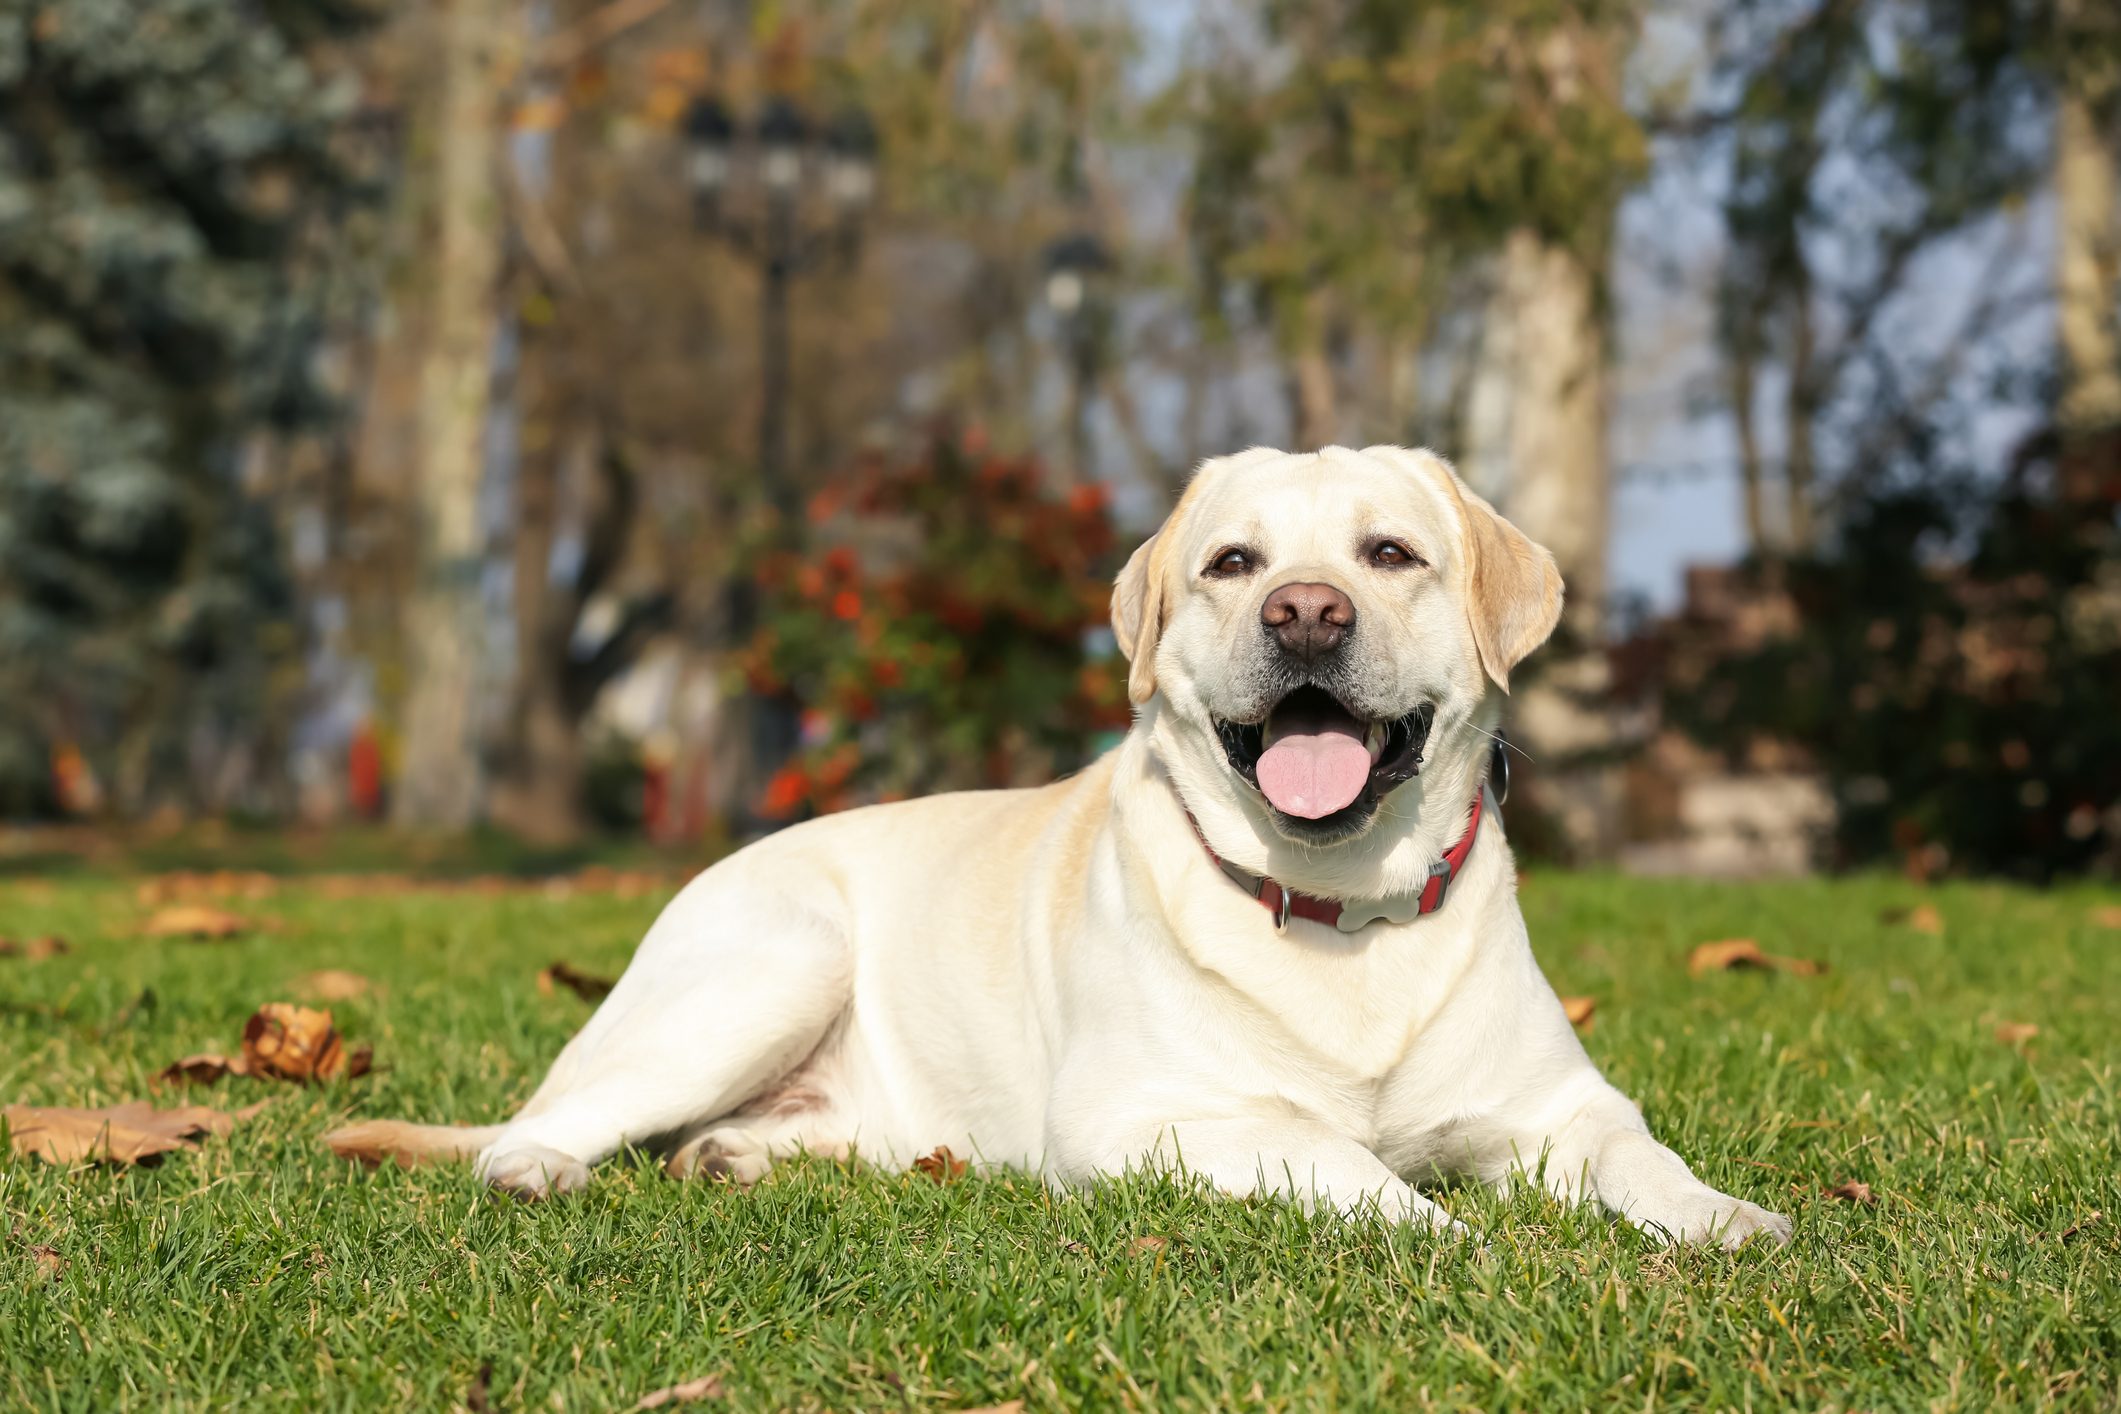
[1273, 937]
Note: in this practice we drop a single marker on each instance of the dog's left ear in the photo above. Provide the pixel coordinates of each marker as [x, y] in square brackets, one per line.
[1138, 616]
[1513, 587]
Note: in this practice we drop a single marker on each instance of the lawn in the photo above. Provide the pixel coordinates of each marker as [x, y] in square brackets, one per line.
[260, 1272]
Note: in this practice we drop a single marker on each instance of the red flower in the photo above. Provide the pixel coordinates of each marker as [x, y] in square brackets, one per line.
[1087, 500]
[840, 561]
[785, 793]
[847, 605]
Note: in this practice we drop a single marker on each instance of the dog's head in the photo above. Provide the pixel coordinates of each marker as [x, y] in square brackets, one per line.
[1318, 626]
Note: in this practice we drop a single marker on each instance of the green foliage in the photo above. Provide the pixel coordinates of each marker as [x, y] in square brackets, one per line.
[1384, 145]
[935, 626]
[259, 1273]
[1953, 668]
[169, 172]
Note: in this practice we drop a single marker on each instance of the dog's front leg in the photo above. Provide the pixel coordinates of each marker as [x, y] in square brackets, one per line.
[1288, 1158]
[1606, 1142]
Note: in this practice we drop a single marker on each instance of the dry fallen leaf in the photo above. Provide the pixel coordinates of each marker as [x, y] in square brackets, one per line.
[1579, 1011]
[942, 1165]
[35, 949]
[1014, 1406]
[705, 1387]
[332, 985]
[2088, 1220]
[476, 1398]
[589, 988]
[1853, 1191]
[1923, 918]
[1148, 1244]
[131, 1133]
[196, 921]
[1734, 953]
[2015, 1033]
[188, 885]
[50, 1264]
[201, 1070]
[299, 1043]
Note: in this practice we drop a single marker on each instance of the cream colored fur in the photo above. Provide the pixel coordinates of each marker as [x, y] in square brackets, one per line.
[1060, 979]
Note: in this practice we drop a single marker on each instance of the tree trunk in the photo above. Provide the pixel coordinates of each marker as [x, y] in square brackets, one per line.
[1739, 372]
[1314, 402]
[537, 785]
[2088, 262]
[1537, 446]
[1800, 474]
[440, 783]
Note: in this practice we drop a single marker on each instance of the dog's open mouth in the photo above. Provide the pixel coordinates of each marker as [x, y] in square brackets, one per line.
[1314, 760]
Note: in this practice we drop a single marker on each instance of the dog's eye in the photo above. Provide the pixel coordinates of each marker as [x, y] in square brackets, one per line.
[1229, 562]
[1391, 555]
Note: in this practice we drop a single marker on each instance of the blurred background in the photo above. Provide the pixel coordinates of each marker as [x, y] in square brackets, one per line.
[581, 424]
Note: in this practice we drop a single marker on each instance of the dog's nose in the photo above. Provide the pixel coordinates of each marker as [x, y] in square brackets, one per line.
[1309, 619]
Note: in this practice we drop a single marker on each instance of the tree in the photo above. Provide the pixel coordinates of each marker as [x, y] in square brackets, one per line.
[2088, 217]
[446, 624]
[168, 174]
[1863, 138]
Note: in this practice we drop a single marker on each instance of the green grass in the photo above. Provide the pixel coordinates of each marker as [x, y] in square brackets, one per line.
[261, 1273]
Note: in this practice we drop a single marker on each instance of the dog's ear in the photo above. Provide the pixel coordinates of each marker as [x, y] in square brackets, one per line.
[1513, 587]
[1138, 615]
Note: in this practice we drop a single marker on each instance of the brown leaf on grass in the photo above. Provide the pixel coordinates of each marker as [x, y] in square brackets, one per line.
[705, 1387]
[132, 1133]
[187, 885]
[51, 1265]
[2107, 915]
[1853, 1190]
[1148, 1244]
[201, 1070]
[476, 1399]
[2016, 1033]
[299, 1043]
[1923, 918]
[588, 987]
[1734, 953]
[196, 922]
[2088, 1220]
[942, 1165]
[332, 985]
[35, 949]
[1579, 1011]
[1014, 1406]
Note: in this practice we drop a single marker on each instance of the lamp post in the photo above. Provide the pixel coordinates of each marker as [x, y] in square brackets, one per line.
[790, 165]
[1076, 267]
[789, 195]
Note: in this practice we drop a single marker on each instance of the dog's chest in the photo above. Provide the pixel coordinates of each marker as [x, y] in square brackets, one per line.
[1351, 1005]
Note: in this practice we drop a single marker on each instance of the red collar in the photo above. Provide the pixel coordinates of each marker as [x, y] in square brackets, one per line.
[1286, 903]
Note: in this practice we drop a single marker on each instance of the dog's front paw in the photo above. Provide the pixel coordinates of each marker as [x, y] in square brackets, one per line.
[532, 1171]
[1716, 1217]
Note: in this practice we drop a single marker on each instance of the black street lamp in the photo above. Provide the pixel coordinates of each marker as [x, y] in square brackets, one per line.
[783, 157]
[1077, 267]
[788, 196]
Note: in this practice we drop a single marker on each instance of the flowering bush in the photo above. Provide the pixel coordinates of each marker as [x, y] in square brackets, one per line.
[943, 627]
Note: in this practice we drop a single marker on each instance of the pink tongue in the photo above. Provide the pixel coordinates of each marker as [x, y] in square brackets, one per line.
[1312, 774]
